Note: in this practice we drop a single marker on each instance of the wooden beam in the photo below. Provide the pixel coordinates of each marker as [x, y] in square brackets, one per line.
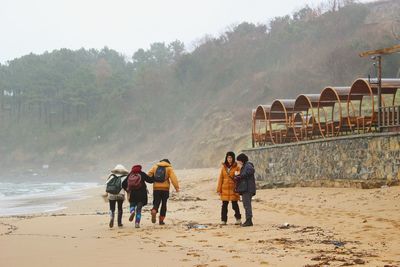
[384, 51]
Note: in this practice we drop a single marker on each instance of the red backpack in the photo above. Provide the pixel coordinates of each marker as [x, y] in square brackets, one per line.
[134, 181]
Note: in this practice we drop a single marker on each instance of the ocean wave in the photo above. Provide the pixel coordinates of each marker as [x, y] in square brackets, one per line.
[26, 198]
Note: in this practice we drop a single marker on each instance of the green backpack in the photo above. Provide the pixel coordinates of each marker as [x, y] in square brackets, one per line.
[114, 184]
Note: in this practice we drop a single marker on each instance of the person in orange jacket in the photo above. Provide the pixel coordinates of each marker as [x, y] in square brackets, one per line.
[226, 188]
[163, 176]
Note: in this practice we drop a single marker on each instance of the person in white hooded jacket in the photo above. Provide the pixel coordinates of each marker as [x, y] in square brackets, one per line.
[121, 173]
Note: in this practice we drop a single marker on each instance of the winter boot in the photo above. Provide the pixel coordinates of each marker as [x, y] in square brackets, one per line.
[247, 223]
[111, 224]
[153, 215]
[161, 220]
[120, 219]
[223, 222]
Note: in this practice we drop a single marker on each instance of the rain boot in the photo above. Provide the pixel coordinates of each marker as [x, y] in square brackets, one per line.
[153, 215]
[120, 219]
[161, 220]
[111, 224]
[132, 211]
[137, 221]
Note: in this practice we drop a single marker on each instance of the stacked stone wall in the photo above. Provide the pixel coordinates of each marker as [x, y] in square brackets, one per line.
[365, 161]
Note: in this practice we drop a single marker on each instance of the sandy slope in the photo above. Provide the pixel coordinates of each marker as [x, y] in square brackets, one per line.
[336, 226]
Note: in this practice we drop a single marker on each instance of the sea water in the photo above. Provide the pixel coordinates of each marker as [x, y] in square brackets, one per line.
[27, 197]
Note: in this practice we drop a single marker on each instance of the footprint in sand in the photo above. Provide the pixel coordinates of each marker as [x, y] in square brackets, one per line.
[193, 254]
[219, 234]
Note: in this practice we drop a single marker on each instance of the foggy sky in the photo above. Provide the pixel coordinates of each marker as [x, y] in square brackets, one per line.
[124, 25]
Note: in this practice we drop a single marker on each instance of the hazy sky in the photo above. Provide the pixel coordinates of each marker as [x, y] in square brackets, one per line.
[124, 25]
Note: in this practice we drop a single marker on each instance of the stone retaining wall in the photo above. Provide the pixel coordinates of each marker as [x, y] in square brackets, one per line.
[365, 161]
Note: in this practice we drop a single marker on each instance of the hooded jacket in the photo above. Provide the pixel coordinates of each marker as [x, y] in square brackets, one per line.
[247, 172]
[170, 177]
[226, 184]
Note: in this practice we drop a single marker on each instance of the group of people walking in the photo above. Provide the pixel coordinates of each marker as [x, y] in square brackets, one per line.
[236, 179]
[133, 183]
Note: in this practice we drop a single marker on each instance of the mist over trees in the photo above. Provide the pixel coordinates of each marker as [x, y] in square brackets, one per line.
[93, 106]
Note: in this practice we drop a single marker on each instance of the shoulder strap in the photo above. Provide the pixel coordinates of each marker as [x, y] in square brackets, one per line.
[166, 173]
[112, 175]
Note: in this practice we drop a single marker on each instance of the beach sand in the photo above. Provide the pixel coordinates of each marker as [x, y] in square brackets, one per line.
[327, 226]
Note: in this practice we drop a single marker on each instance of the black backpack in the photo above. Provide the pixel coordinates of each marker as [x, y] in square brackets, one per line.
[114, 184]
[160, 174]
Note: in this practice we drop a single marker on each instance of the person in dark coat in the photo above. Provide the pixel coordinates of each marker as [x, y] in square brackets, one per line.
[137, 195]
[247, 173]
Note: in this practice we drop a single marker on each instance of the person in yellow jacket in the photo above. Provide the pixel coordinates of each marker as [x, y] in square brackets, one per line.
[163, 176]
[226, 188]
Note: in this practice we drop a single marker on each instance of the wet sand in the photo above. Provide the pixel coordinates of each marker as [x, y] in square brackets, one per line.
[326, 226]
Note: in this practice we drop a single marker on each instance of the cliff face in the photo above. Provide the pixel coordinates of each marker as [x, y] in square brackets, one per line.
[92, 107]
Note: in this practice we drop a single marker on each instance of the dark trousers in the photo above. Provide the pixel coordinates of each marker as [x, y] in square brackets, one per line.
[160, 197]
[246, 199]
[224, 210]
[112, 209]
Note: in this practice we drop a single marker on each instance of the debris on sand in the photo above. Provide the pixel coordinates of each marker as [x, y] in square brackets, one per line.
[194, 225]
[286, 225]
[179, 197]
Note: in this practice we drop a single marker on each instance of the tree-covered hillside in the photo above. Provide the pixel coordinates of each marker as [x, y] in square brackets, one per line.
[88, 107]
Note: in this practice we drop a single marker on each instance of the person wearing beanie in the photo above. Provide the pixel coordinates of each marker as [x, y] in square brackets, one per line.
[163, 175]
[116, 192]
[136, 187]
[247, 183]
[226, 188]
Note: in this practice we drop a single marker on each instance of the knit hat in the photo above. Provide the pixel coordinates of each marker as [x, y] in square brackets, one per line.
[136, 168]
[165, 160]
[119, 169]
[242, 157]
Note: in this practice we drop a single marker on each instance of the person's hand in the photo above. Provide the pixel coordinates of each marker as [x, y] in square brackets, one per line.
[177, 190]
[219, 193]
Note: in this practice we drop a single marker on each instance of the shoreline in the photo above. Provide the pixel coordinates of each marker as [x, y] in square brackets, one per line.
[332, 226]
[44, 202]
